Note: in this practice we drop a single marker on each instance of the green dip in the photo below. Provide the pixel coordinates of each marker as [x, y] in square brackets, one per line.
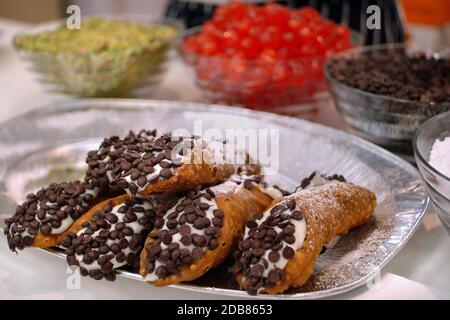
[104, 58]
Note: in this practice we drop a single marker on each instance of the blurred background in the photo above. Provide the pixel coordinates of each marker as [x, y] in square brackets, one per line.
[312, 59]
[427, 23]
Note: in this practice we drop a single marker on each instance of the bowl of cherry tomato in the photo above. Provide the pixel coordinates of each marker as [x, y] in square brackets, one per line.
[263, 57]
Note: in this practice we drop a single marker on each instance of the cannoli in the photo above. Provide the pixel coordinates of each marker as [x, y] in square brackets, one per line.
[279, 250]
[45, 215]
[316, 179]
[113, 233]
[145, 164]
[200, 230]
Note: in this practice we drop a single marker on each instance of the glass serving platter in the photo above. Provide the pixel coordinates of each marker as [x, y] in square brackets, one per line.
[50, 144]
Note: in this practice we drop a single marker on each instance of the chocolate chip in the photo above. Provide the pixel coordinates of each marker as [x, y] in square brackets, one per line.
[204, 206]
[259, 234]
[154, 249]
[101, 223]
[191, 217]
[111, 276]
[87, 259]
[248, 184]
[273, 276]
[251, 224]
[166, 238]
[245, 245]
[103, 249]
[66, 241]
[115, 248]
[201, 223]
[123, 243]
[184, 230]
[289, 230]
[83, 272]
[55, 224]
[159, 223]
[165, 164]
[112, 218]
[150, 267]
[122, 184]
[93, 255]
[45, 229]
[41, 214]
[127, 231]
[165, 173]
[120, 257]
[210, 192]
[279, 237]
[186, 240]
[274, 256]
[107, 267]
[271, 233]
[134, 174]
[113, 235]
[72, 261]
[213, 232]
[141, 181]
[104, 233]
[199, 240]
[173, 246]
[297, 215]
[133, 188]
[171, 223]
[61, 215]
[161, 272]
[148, 169]
[257, 270]
[87, 239]
[290, 204]
[105, 258]
[217, 222]
[258, 252]
[197, 253]
[289, 239]
[288, 252]
[277, 210]
[144, 221]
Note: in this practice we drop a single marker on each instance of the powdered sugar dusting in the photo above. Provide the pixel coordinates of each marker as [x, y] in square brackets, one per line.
[440, 156]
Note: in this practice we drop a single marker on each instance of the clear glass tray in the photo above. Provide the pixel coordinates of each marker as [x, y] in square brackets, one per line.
[50, 145]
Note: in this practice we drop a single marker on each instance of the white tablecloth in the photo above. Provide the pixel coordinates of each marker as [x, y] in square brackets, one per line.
[419, 271]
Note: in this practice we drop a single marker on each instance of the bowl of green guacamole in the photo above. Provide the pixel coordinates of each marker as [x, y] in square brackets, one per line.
[110, 56]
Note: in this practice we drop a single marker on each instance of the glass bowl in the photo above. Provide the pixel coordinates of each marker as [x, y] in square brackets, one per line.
[437, 184]
[98, 73]
[387, 121]
[289, 87]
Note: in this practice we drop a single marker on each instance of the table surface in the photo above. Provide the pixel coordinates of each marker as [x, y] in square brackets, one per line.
[419, 271]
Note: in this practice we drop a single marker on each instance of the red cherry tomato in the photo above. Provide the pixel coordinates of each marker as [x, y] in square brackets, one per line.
[261, 56]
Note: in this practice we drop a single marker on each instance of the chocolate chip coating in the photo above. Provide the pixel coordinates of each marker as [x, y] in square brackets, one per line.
[46, 210]
[133, 162]
[268, 246]
[114, 236]
[192, 227]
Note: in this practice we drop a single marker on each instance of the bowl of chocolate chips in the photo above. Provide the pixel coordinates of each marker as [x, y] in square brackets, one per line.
[385, 92]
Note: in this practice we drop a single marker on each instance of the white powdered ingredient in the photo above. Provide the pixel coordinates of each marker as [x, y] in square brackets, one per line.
[440, 156]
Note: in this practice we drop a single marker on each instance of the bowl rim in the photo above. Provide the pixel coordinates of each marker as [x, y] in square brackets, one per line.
[419, 155]
[407, 45]
[51, 25]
